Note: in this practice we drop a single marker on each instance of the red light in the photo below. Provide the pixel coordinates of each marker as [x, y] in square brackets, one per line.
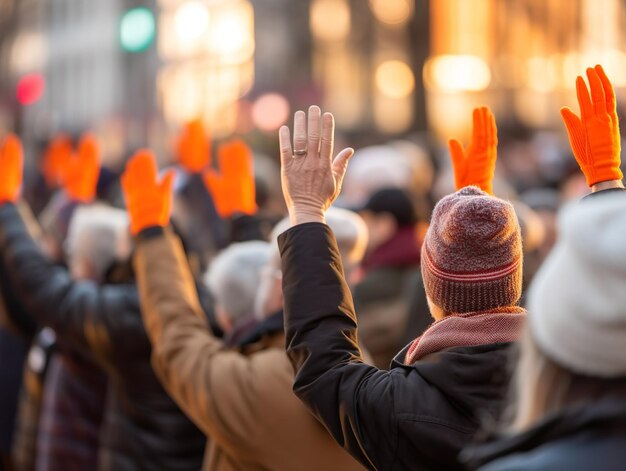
[30, 89]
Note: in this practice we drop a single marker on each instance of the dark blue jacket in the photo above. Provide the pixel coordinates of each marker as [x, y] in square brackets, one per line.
[589, 437]
[412, 417]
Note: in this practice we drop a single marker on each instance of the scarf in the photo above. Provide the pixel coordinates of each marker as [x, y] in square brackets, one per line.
[469, 329]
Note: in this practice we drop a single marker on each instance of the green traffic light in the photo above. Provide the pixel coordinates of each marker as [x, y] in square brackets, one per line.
[137, 29]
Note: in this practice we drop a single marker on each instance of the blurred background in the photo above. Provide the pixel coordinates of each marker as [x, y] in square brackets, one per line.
[134, 71]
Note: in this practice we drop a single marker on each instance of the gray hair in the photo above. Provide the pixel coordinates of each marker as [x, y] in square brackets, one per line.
[351, 235]
[99, 234]
[349, 229]
[234, 277]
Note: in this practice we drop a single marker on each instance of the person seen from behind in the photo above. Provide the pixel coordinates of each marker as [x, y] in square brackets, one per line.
[242, 400]
[420, 413]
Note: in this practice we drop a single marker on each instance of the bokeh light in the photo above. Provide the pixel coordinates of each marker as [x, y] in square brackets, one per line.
[30, 89]
[191, 21]
[270, 111]
[391, 115]
[542, 74]
[455, 73]
[392, 12]
[395, 79]
[29, 52]
[137, 29]
[330, 19]
[231, 34]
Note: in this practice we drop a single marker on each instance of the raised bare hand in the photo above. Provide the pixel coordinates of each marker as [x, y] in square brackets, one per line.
[311, 178]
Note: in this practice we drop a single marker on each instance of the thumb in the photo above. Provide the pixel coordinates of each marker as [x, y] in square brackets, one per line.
[340, 164]
[459, 163]
[167, 184]
[575, 130]
[457, 153]
[571, 120]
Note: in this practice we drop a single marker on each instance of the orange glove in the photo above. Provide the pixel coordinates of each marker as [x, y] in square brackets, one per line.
[11, 168]
[194, 148]
[81, 175]
[476, 165]
[149, 202]
[56, 160]
[233, 190]
[594, 137]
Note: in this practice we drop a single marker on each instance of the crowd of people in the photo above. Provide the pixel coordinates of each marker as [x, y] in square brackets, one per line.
[171, 321]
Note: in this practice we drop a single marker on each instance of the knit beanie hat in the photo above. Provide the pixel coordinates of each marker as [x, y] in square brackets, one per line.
[472, 253]
[577, 300]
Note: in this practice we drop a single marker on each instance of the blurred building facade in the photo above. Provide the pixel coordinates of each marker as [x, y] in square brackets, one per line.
[84, 67]
[386, 68]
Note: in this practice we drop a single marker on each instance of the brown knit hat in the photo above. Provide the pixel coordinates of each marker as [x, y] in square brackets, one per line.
[472, 253]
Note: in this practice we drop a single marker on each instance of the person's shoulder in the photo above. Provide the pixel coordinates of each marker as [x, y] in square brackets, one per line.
[472, 350]
[577, 453]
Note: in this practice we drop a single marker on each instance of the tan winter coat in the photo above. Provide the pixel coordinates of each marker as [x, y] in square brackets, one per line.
[244, 403]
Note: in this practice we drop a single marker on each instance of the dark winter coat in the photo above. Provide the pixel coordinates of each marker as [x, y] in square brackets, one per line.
[12, 354]
[415, 416]
[143, 428]
[24, 450]
[73, 402]
[578, 438]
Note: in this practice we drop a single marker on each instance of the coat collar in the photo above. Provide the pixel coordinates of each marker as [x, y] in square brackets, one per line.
[606, 413]
[270, 326]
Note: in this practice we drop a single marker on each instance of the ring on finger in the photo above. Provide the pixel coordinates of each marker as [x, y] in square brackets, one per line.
[300, 152]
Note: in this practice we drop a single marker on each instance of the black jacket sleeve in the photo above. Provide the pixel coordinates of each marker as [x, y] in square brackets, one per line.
[84, 315]
[353, 400]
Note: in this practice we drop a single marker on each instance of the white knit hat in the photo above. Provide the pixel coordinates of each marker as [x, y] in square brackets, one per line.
[577, 301]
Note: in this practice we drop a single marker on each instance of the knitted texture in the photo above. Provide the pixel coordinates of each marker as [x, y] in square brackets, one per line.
[472, 253]
[577, 299]
[467, 330]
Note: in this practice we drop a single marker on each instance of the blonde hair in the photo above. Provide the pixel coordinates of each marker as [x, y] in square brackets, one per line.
[540, 387]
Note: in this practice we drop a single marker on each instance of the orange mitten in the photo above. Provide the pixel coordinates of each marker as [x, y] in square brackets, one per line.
[81, 175]
[193, 147]
[476, 165]
[56, 160]
[11, 168]
[148, 201]
[233, 189]
[594, 137]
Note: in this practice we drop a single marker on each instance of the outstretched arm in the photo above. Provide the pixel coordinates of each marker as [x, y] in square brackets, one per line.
[75, 310]
[213, 385]
[353, 400]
